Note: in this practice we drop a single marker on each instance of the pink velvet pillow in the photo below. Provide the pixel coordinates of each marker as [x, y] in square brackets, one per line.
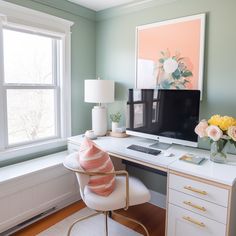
[93, 159]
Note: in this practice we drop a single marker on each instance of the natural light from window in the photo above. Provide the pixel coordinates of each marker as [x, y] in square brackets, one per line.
[30, 74]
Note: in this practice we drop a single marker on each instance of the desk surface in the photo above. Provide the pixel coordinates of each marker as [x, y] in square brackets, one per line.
[220, 173]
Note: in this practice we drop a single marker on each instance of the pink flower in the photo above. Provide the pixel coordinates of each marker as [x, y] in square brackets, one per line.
[200, 129]
[232, 132]
[214, 132]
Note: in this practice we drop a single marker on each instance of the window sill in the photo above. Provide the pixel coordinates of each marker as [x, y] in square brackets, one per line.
[19, 170]
[13, 153]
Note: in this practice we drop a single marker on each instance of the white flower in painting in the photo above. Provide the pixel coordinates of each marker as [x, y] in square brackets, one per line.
[170, 65]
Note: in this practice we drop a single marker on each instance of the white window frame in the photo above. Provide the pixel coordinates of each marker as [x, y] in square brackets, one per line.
[24, 19]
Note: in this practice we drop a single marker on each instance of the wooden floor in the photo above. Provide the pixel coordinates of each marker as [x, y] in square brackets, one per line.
[151, 216]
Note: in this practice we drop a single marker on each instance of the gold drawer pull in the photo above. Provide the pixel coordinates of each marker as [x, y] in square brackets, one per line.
[195, 190]
[194, 206]
[201, 224]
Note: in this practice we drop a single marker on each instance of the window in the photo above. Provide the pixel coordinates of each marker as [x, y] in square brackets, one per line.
[34, 82]
[31, 86]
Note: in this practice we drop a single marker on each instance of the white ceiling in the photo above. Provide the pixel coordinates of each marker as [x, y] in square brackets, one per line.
[98, 5]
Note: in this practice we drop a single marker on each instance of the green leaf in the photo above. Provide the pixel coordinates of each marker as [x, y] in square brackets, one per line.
[221, 144]
[161, 60]
[187, 73]
[185, 82]
[162, 53]
[115, 117]
[165, 84]
[181, 86]
[176, 74]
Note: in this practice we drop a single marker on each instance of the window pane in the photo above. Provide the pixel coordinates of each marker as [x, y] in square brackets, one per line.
[27, 58]
[31, 114]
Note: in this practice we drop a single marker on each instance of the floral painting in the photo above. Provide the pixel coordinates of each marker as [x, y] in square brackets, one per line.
[173, 72]
[170, 54]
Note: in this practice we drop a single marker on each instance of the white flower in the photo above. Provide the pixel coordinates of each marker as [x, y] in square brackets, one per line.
[214, 132]
[200, 129]
[170, 65]
[232, 132]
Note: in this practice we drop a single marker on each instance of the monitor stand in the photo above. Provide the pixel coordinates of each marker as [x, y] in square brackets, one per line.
[160, 145]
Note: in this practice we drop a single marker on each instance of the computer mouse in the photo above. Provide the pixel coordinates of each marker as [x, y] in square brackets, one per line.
[168, 154]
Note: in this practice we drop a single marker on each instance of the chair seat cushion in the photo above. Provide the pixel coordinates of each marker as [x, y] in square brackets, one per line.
[138, 194]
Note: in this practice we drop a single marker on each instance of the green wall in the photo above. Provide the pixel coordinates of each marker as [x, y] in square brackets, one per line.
[115, 54]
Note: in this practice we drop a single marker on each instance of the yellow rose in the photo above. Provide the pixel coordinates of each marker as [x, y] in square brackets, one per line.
[226, 122]
[223, 122]
[214, 120]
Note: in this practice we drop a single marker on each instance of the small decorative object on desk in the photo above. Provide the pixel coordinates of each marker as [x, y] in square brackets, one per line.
[115, 118]
[90, 134]
[191, 158]
[221, 130]
[118, 134]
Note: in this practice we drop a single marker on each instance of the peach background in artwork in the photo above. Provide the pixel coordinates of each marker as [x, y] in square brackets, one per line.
[183, 37]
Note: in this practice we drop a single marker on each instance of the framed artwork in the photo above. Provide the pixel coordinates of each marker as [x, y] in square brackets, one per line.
[169, 54]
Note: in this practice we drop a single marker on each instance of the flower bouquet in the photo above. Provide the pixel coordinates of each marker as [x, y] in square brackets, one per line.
[221, 130]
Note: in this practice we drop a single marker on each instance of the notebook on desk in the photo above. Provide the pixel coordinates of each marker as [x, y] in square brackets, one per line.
[191, 158]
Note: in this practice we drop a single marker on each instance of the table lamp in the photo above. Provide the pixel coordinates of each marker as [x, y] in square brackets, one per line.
[99, 91]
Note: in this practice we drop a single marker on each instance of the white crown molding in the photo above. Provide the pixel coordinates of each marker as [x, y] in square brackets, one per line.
[68, 7]
[129, 8]
[14, 11]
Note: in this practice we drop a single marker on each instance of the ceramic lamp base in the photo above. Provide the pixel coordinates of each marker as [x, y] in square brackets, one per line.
[99, 120]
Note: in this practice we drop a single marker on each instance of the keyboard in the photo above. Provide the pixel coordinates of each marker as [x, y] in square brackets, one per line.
[144, 149]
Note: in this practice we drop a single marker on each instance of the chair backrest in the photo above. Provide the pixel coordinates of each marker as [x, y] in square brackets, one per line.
[71, 162]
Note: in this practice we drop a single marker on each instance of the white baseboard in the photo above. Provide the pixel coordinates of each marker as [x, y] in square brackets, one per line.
[158, 199]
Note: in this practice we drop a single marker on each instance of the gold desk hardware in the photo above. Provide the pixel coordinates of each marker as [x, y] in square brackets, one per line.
[194, 206]
[201, 224]
[195, 190]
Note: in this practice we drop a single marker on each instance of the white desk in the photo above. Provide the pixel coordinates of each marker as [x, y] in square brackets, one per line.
[201, 199]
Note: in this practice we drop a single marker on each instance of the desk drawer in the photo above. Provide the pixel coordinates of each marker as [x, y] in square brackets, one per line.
[199, 206]
[182, 222]
[198, 189]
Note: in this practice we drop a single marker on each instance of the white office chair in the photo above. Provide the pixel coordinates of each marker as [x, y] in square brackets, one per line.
[128, 191]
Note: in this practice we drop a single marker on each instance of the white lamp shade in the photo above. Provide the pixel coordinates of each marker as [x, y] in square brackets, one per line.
[99, 91]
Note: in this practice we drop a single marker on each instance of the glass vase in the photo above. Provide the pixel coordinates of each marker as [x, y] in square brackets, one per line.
[219, 151]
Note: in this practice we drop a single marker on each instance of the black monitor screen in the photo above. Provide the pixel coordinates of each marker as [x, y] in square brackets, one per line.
[167, 113]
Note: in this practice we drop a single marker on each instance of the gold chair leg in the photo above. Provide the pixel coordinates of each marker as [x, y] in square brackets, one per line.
[106, 225]
[132, 220]
[81, 219]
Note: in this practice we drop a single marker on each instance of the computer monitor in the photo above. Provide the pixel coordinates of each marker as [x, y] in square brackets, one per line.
[168, 116]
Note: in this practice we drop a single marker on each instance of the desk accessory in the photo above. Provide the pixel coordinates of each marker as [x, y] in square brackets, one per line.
[191, 158]
[168, 154]
[120, 129]
[90, 134]
[115, 119]
[118, 134]
[99, 91]
[146, 150]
